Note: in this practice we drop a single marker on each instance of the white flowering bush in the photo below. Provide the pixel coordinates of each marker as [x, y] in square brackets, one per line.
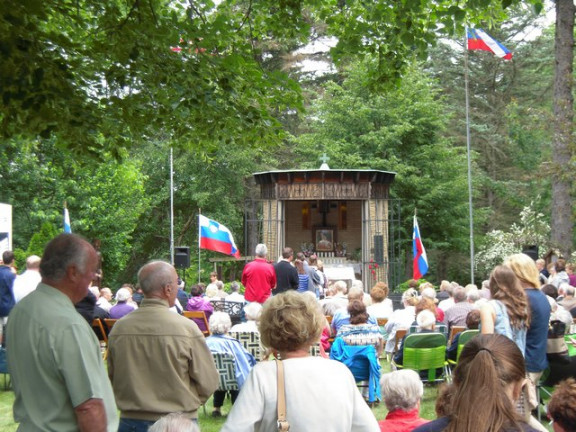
[531, 230]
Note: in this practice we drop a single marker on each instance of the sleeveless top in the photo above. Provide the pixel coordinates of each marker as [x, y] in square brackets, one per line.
[502, 326]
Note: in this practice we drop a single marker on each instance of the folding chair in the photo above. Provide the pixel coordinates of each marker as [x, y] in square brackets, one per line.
[454, 330]
[251, 343]
[226, 372]
[234, 309]
[426, 352]
[362, 360]
[108, 324]
[101, 334]
[198, 317]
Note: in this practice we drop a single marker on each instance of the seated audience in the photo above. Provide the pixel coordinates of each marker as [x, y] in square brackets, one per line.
[199, 303]
[252, 313]
[562, 406]
[430, 293]
[121, 307]
[381, 306]
[290, 324]
[401, 318]
[220, 342]
[472, 323]
[105, 299]
[402, 391]
[235, 295]
[456, 315]
[342, 317]
[426, 324]
[489, 375]
[174, 422]
[338, 298]
[427, 304]
[359, 331]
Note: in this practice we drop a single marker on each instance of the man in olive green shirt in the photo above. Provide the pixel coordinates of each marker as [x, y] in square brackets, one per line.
[54, 358]
[158, 361]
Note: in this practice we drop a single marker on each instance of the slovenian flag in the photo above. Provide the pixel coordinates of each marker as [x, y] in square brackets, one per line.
[420, 259]
[67, 227]
[480, 40]
[216, 237]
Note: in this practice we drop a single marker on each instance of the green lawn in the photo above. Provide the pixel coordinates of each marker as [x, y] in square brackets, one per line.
[209, 424]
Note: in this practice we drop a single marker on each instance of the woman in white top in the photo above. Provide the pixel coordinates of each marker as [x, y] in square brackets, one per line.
[401, 318]
[381, 306]
[289, 325]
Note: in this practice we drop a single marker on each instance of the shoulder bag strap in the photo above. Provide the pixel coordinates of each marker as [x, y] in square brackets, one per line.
[283, 424]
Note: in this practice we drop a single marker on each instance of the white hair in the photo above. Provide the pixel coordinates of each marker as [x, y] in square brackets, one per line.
[357, 283]
[253, 311]
[429, 293]
[340, 286]
[426, 319]
[261, 250]
[174, 422]
[122, 295]
[401, 389]
[220, 323]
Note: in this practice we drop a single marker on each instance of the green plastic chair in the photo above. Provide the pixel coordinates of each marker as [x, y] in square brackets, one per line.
[464, 337]
[426, 352]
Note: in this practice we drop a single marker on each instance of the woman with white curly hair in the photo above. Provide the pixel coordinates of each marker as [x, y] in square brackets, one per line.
[219, 342]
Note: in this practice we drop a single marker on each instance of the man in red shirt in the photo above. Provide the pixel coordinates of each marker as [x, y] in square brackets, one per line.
[258, 277]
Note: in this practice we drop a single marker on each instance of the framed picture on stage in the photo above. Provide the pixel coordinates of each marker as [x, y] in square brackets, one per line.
[324, 238]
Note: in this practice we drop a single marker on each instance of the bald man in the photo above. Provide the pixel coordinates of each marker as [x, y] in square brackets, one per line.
[54, 357]
[158, 361]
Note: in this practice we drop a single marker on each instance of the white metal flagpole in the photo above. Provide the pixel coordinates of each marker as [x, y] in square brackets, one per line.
[171, 207]
[199, 239]
[469, 156]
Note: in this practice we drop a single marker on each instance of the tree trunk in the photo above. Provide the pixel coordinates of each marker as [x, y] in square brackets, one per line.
[562, 148]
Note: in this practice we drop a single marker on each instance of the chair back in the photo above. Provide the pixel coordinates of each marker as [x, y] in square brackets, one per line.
[362, 360]
[400, 333]
[463, 338]
[100, 331]
[198, 316]
[234, 309]
[251, 343]
[108, 324]
[226, 370]
[425, 352]
[454, 330]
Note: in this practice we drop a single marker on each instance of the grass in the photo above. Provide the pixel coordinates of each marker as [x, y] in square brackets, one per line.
[210, 424]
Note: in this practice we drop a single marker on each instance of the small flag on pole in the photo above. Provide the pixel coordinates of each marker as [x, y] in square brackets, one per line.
[420, 259]
[480, 40]
[67, 228]
[216, 237]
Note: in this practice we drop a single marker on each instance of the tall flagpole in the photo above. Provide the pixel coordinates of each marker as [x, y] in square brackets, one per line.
[171, 207]
[469, 157]
[199, 236]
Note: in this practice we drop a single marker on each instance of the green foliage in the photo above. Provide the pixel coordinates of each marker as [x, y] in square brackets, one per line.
[405, 285]
[532, 230]
[39, 239]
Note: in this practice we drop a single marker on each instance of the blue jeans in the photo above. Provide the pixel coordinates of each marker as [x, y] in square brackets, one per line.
[133, 425]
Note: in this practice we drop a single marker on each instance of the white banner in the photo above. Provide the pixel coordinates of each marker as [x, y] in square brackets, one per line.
[5, 227]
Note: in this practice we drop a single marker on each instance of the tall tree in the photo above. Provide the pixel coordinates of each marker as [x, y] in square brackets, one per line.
[562, 144]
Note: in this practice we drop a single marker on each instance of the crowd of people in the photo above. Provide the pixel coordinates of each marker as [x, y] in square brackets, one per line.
[160, 369]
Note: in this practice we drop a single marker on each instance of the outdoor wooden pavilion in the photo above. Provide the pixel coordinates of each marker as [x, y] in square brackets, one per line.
[343, 215]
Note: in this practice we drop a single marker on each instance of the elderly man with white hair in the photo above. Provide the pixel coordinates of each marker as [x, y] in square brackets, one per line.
[252, 313]
[259, 277]
[220, 342]
[27, 282]
[121, 308]
[402, 391]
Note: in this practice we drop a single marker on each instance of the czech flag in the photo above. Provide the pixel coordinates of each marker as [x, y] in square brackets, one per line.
[216, 237]
[420, 259]
[67, 227]
[480, 40]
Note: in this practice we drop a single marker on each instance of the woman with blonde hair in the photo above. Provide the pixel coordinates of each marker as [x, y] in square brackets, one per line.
[507, 312]
[401, 319]
[290, 323]
[486, 384]
[537, 335]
